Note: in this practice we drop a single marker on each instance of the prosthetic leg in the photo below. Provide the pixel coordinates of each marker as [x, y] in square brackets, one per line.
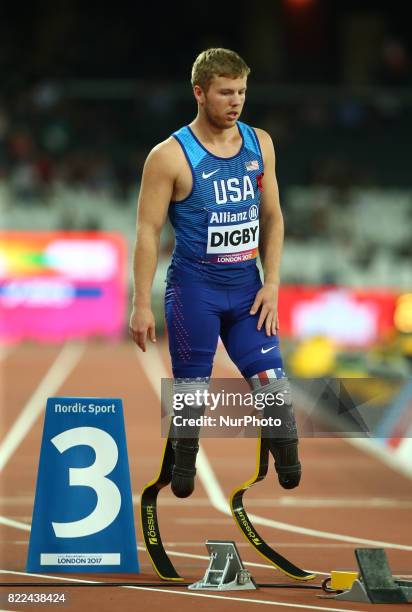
[180, 465]
[148, 513]
[288, 468]
[178, 468]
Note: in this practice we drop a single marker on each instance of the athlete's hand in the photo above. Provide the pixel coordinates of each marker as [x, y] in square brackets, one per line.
[142, 323]
[267, 299]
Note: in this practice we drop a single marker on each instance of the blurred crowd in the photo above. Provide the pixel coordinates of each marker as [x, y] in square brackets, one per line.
[48, 139]
[97, 135]
[73, 150]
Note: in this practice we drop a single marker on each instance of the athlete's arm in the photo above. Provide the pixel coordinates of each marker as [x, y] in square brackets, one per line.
[270, 240]
[154, 197]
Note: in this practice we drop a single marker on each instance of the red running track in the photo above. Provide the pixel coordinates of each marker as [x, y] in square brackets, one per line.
[346, 497]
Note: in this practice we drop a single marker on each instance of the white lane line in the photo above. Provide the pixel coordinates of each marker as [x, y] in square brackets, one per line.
[319, 503]
[16, 524]
[212, 487]
[205, 521]
[60, 369]
[244, 544]
[46, 576]
[367, 503]
[16, 500]
[238, 545]
[6, 350]
[151, 363]
[173, 553]
[326, 534]
[382, 453]
[247, 600]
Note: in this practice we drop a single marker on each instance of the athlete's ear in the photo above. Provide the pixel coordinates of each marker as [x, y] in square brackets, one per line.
[199, 94]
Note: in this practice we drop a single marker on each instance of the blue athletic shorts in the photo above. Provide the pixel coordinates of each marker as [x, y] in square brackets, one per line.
[197, 314]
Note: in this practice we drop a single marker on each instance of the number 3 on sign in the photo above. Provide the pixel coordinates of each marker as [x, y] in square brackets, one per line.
[94, 476]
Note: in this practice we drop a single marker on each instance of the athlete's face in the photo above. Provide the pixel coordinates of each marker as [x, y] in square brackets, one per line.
[223, 102]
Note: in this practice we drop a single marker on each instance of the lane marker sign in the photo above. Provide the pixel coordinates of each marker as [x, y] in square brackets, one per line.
[83, 513]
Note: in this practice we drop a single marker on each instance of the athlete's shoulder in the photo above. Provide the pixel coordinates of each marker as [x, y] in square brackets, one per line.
[165, 149]
[165, 156]
[266, 143]
[263, 136]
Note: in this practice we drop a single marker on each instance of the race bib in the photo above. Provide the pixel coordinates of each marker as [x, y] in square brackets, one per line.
[233, 236]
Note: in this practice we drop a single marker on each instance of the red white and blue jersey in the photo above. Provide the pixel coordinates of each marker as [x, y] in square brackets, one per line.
[217, 224]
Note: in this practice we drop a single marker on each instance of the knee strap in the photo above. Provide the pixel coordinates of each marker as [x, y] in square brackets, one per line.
[182, 387]
[185, 451]
[278, 391]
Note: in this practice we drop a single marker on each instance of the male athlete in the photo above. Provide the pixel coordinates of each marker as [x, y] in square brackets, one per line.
[215, 178]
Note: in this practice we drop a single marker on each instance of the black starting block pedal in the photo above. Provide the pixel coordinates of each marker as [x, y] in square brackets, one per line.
[225, 571]
[376, 583]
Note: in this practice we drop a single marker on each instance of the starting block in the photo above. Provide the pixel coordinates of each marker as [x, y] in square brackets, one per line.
[225, 571]
[376, 583]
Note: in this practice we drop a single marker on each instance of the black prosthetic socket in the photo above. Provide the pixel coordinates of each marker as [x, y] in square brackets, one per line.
[184, 470]
[185, 441]
[287, 464]
[283, 440]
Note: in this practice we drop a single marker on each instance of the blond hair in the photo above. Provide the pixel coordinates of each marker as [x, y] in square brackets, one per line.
[217, 62]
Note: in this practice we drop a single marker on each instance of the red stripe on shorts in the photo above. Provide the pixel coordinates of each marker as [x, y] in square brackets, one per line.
[263, 377]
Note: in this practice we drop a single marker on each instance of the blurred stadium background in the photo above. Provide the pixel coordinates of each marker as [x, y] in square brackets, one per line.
[87, 91]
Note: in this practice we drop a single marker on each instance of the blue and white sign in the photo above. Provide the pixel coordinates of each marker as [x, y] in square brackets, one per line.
[83, 512]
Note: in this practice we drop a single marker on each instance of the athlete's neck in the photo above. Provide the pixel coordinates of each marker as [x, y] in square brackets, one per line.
[208, 133]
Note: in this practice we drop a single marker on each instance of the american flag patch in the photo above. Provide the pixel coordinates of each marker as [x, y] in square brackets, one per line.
[252, 165]
[266, 377]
